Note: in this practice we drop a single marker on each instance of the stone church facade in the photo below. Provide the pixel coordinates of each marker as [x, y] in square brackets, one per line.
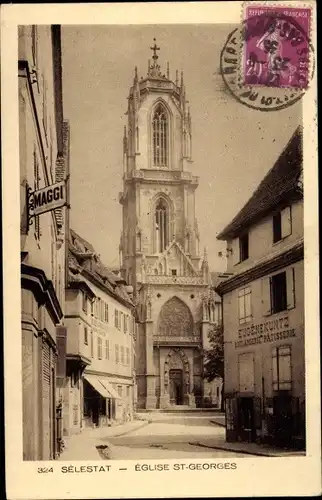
[160, 243]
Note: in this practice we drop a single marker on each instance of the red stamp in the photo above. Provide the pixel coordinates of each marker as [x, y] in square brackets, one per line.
[276, 47]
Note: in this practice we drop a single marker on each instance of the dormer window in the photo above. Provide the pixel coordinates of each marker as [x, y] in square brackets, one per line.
[243, 247]
[160, 137]
[282, 224]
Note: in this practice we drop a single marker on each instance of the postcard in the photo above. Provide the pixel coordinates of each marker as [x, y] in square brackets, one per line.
[160, 223]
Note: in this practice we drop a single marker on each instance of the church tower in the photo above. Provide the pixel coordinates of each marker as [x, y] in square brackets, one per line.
[159, 246]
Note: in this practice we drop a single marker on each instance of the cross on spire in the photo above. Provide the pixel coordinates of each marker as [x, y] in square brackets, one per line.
[154, 49]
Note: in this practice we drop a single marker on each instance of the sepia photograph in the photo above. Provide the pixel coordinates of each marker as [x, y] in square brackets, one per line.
[163, 240]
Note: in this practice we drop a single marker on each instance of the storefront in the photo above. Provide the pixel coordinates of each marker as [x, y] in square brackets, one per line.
[102, 404]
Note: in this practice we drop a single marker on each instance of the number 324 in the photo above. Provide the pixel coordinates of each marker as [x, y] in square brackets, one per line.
[40, 470]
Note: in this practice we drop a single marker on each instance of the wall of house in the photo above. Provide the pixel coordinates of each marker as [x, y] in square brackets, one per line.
[261, 240]
[236, 333]
[42, 245]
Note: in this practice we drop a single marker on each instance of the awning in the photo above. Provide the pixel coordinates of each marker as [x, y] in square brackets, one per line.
[101, 386]
[96, 384]
[109, 388]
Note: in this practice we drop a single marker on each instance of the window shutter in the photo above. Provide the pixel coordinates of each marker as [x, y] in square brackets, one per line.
[246, 372]
[266, 296]
[286, 222]
[290, 288]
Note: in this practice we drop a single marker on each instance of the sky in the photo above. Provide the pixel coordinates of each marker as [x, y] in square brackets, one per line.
[233, 146]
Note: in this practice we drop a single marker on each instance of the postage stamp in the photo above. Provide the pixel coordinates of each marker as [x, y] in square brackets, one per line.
[276, 51]
[268, 62]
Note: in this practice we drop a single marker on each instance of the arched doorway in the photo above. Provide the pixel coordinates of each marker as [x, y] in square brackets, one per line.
[174, 325]
[177, 377]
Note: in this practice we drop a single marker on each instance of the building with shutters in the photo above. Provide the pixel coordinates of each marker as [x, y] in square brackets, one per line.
[100, 386]
[159, 246]
[263, 309]
[43, 143]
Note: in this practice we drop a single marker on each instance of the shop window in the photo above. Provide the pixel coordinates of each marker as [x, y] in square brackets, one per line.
[282, 368]
[117, 353]
[85, 335]
[243, 247]
[244, 305]
[99, 347]
[282, 224]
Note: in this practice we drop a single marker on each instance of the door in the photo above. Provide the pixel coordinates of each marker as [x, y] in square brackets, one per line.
[246, 421]
[176, 387]
[282, 404]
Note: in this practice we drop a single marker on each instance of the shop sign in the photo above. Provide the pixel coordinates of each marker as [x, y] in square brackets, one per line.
[46, 199]
[268, 331]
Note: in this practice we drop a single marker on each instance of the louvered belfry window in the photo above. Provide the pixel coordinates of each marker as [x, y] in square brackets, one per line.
[161, 226]
[160, 137]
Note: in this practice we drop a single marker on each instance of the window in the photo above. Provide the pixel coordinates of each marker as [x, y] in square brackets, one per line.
[278, 292]
[160, 137]
[84, 301]
[161, 226]
[107, 349]
[85, 335]
[44, 105]
[127, 361]
[99, 347]
[117, 353]
[243, 247]
[120, 320]
[122, 355]
[282, 224]
[92, 344]
[125, 322]
[244, 305]
[282, 369]
[116, 318]
[106, 313]
[34, 44]
[36, 186]
[174, 272]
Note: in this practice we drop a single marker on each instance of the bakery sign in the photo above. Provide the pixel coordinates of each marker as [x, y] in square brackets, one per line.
[262, 333]
[46, 199]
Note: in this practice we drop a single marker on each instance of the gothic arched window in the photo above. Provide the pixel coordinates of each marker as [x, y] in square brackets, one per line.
[160, 136]
[161, 226]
